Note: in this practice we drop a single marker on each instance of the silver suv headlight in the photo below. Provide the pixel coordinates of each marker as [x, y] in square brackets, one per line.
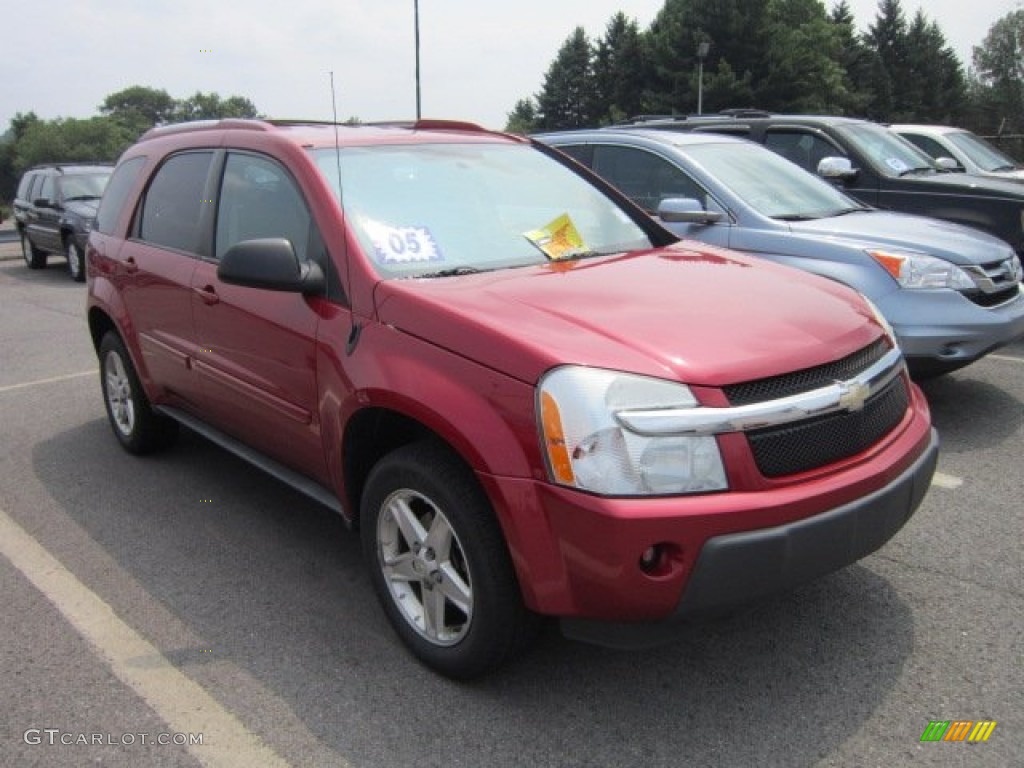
[587, 447]
[916, 270]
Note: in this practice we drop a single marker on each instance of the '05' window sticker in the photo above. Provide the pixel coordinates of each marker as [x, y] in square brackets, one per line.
[402, 245]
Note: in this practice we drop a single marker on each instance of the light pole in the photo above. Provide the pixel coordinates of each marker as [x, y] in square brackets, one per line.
[702, 53]
[416, 6]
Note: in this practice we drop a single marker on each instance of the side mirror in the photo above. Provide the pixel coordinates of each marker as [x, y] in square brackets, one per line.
[836, 168]
[948, 164]
[685, 210]
[271, 264]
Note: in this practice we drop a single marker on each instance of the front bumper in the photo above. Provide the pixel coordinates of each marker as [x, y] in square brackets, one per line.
[578, 555]
[943, 330]
[736, 568]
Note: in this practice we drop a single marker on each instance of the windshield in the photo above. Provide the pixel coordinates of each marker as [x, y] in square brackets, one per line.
[770, 184]
[888, 152]
[83, 186]
[435, 209]
[983, 154]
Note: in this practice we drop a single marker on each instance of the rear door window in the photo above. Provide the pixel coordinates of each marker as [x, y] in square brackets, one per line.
[804, 148]
[173, 206]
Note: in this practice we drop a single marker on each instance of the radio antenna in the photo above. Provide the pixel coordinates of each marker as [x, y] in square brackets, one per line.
[337, 162]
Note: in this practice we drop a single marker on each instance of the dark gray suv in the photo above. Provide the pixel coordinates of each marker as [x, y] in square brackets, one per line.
[54, 210]
[871, 163]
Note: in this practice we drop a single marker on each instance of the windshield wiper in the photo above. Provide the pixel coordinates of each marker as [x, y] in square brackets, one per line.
[917, 169]
[453, 272]
[1002, 168]
[796, 217]
[844, 211]
[81, 197]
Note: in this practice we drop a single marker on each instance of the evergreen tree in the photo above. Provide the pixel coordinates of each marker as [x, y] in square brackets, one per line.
[523, 117]
[802, 72]
[936, 87]
[568, 98]
[856, 58]
[890, 79]
[620, 70]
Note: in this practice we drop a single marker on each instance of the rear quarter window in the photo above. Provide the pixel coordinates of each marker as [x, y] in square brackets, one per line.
[116, 193]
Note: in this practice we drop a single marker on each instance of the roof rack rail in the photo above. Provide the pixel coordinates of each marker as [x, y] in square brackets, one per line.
[648, 119]
[745, 112]
[248, 124]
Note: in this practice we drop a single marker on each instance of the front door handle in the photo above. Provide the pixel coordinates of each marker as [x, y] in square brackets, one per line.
[208, 294]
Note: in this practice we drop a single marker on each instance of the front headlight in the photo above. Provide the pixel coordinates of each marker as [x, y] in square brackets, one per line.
[587, 447]
[915, 270]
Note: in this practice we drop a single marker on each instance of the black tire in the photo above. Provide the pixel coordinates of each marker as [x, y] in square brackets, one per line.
[136, 425]
[34, 258]
[76, 260]
[427, 482]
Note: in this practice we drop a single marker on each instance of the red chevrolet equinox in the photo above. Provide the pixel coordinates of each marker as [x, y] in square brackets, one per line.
[529, 398]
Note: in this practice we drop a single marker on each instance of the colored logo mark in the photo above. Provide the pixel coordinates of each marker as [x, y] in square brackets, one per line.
[958, 730]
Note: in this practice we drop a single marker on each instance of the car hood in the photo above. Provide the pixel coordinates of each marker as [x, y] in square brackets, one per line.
[690, 312]
[974, 186]
[880, 229]
[84, 208]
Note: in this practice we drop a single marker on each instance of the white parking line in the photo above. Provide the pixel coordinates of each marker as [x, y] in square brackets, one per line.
[941, 480]
[184, 705]
[51, 380]
[1007, 358]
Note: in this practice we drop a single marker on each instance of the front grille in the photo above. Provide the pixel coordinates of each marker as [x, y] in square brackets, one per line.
[995, 299]
[809, 378]
[806, 445]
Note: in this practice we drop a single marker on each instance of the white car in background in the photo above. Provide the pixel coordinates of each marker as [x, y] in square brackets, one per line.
[967, 151]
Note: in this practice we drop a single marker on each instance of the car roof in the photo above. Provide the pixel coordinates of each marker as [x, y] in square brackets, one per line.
[733, 117]
[66, 168]
[311, 133]
[672, 138]
[935, 130]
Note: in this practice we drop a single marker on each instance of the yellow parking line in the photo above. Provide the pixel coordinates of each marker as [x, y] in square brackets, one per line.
[51, 380]
[180, 702]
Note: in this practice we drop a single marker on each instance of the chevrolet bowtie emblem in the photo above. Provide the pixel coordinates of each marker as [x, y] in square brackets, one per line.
[853, 394]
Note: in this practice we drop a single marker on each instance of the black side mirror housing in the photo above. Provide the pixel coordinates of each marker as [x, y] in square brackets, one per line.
[271, 264]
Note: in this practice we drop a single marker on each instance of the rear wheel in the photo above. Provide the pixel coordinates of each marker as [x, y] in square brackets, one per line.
[76, 260]
[136, 425]
[439, 563]
[34, 258]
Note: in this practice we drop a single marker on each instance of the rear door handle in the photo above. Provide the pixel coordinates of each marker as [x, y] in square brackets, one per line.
[130, 266]
[207, 294]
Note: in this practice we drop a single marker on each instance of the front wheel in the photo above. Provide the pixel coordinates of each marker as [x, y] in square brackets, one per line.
[34, 257]
[439, 563]
[137, 427]
[76, 260]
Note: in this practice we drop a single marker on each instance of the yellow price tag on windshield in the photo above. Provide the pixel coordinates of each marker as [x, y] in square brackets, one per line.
[559, 239]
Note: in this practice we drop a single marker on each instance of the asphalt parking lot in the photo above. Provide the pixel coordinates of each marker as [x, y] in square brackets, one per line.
[190, 596]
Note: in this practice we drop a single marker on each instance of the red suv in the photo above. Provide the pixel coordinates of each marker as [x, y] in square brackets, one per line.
[529, 397]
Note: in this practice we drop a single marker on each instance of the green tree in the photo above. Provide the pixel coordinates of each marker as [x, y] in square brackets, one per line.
[523, 117]
[620, 70]
[71, 140]
[802, 69]
[891, 78]
[997, 85]
[936, 86]
[567, 99]
[210, 106]
[856, 59]
[139, 108]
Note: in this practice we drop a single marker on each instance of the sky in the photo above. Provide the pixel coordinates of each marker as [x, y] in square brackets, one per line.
[478, 57]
